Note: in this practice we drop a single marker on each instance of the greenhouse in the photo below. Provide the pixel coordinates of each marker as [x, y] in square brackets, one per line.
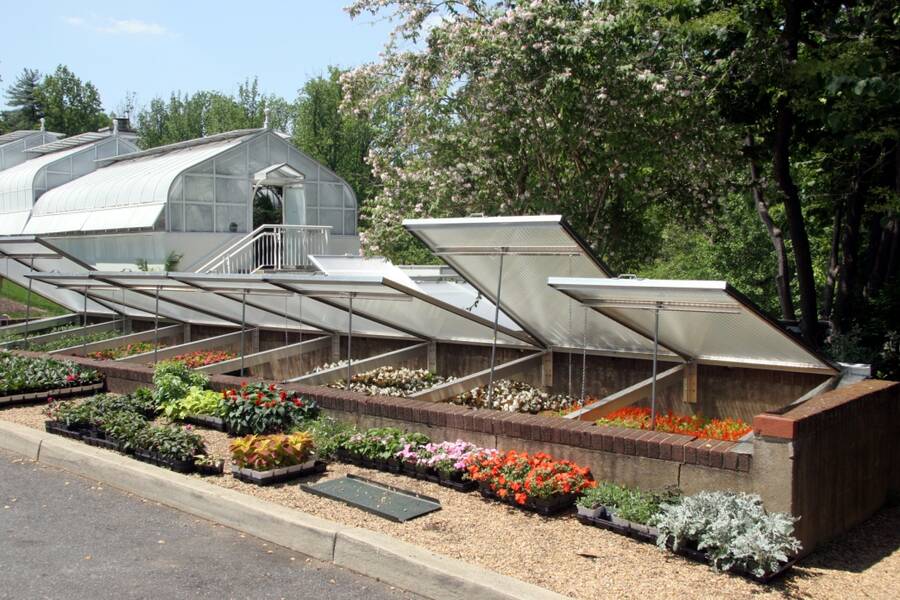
[51, 165]
[14, 145]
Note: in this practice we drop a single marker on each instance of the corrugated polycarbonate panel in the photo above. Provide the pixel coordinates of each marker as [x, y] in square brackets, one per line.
[705, 320]
[534, 248]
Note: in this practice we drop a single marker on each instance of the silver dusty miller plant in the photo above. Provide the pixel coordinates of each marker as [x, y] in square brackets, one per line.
[733, 529]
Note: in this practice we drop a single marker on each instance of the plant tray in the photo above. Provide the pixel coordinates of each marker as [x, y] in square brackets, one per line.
[101, 442]
[555, 506]
[179, 466]
[206, 421]
[55, 393]
[389, 502]
[459, 486]
[273, 476]
[60, 428]
[695, 555]
[216, 469]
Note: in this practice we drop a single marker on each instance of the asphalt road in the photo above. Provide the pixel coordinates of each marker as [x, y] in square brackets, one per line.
[62, 536]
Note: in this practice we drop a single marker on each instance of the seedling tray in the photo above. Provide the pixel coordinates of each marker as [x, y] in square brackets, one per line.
[55, 393]
[273, 476]
[207, 421]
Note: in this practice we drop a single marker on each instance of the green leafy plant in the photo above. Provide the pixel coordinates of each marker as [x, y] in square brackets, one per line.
[171, 442]
[126, 428]
[328, 435]
[266, 452]
[172, 380]
[197, 402]
[258, 408]
[382, 443]
[626, 502]
[27, 374]
[732, 528]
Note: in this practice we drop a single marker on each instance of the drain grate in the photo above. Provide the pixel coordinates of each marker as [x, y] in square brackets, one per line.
[379, 499]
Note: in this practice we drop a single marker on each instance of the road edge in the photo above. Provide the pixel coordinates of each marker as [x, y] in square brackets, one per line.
[360, 550]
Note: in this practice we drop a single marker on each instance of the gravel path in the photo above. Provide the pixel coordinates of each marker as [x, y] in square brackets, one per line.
[583, 562]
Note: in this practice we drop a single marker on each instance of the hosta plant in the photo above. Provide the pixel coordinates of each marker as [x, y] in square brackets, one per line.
[26, 374]
[172, 380]
[197, 402]
[514, 396]
[259, 408]
[732, 528]
[266, 452]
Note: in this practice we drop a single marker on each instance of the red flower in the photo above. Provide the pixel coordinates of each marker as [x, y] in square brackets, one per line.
[70, 377]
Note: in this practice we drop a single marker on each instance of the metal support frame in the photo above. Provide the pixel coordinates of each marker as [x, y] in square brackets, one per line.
[243, 326]
[28, 299]
[84, 322]
[490, 393]
[156, 327]
[584, 356]
[349, 342]
[655, 358]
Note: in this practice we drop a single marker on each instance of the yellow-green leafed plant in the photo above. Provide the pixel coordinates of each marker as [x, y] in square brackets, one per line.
[266, 452]
[197, 402]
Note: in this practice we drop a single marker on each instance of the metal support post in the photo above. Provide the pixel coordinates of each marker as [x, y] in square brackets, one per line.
[243, 326]
[84, 321]
[156, 327]
[584, 355]
[28, 299]
[496, 322]
[350, 342]
[653, 382]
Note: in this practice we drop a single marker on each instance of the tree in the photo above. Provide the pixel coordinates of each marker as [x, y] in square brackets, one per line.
[70, 105]
[521, 108]
[21, 96]
[185, 117]
[332, 134]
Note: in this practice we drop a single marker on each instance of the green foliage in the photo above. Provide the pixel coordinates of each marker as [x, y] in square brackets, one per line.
[68, 341]
[328, 434]
[197, 402]
[172, 380]
[332, 134]
[258, 409]
[733, 529]
[382, 443]
[171, 442]
[209, 112]
[24, 374]
[127, 428]
[21, 97]
[626, 502]
[70, 105]
[13, 291]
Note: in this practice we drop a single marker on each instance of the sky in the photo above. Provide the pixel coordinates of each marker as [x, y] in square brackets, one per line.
[155, 48]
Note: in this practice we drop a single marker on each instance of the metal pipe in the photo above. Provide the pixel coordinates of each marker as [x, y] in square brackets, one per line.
[84, 337]
[243, 328]
[584, 355]
[156, 327]
[496, 323]
[350, 342]
[653, 382]
[28, 300]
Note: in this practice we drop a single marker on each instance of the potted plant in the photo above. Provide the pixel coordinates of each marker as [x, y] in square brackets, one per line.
[209, 465]
[170, 446]
[589, 504]
[268, 459]
[259, 408]
[124, 429]
[449, 460]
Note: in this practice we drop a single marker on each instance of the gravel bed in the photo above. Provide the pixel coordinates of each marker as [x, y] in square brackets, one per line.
[582, 562]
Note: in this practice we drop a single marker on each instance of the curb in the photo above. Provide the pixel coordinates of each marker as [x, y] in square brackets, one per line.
[372, 554]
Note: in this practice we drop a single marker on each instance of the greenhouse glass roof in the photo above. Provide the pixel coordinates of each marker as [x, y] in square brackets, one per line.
[706, 321]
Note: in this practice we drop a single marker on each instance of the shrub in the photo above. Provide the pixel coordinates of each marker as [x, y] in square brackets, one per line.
[259, 409]
[733, 529]
[197, 402]
[24, 374]
[266, 452]
[172, 380]
[522, 477]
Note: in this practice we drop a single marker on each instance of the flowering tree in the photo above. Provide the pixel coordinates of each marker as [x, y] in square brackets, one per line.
[548, 106]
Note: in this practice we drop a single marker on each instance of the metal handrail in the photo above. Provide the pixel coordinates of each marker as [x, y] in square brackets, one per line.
[271, 247]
